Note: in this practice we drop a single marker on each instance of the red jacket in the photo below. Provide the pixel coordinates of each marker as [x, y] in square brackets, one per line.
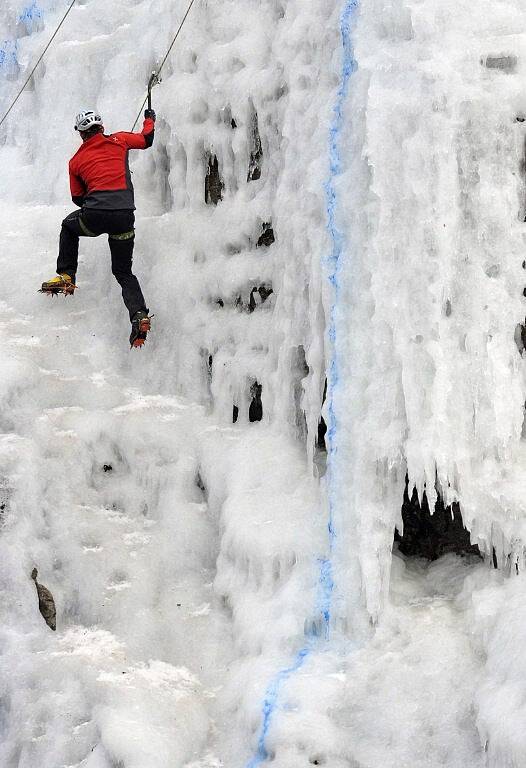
[99, 173]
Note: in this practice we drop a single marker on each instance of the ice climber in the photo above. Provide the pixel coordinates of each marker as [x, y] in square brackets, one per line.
[102, 188]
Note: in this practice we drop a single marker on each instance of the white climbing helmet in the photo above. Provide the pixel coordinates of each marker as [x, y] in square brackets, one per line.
[87, 119]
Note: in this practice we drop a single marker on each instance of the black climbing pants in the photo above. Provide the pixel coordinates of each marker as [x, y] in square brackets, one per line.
[119, 225]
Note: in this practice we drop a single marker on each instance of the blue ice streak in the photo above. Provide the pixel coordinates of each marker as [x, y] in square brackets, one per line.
[334, 259]
[8, 55]
[270, 704]
[30, 12]
[334, 265]
[28, 16]
[326, 577]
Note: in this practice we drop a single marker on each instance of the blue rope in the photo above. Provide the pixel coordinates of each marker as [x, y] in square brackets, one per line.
[326, 578]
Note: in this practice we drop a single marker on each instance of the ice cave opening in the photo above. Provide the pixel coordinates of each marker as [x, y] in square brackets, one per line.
[430, 534]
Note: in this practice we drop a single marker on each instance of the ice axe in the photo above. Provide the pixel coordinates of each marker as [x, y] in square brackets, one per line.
[154, 80]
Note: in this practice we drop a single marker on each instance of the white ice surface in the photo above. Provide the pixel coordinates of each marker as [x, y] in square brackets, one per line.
[187, 578]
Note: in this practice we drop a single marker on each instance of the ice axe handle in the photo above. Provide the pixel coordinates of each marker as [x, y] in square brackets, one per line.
[153, 80]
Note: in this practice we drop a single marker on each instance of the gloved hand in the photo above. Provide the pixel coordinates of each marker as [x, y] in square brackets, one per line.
[150, 113]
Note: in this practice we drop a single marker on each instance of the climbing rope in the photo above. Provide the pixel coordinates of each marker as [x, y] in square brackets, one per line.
[168, 52]
[55, 33]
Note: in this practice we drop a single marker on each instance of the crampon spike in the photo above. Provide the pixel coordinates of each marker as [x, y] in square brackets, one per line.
[144, 327]
[68, 290]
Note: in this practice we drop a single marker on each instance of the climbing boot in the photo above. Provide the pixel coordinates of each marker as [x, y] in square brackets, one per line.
[141, 324]
[59, 284]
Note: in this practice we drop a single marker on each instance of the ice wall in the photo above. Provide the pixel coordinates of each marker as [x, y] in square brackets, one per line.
[187, 576]
[188, 571]
[431, 381]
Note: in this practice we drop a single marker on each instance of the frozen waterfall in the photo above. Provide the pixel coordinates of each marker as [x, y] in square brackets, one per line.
[232, 522]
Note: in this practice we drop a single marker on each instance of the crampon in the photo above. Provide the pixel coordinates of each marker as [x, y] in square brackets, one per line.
[141, 325]
[61, 284]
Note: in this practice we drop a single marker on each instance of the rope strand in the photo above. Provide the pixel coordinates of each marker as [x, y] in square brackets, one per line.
[55, 33]
[21, 91]
[181, 25]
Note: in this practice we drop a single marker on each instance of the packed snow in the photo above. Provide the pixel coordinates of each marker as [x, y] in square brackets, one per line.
[336, 192]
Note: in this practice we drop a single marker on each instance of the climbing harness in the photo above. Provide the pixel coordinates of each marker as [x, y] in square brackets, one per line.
[156, 76]
[85, 229]
[124, 236]
[121, 236]
[55, 33]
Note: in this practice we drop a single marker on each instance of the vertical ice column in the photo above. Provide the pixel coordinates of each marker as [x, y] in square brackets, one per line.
[359, 547]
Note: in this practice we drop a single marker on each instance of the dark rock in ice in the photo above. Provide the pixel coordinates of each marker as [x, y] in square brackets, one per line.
[503, 62]
[322, 431]
[213, 185]
[249, 298]
[258, 296]
[255, 412]
[520, 336]
[322, 426]
[256, 150]
[46, 603]
[267, 236]
[199, 482]
[5, 493]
